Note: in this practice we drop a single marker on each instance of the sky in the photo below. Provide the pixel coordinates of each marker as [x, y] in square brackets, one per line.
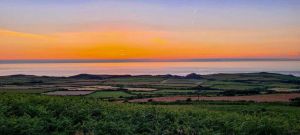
[149, 29]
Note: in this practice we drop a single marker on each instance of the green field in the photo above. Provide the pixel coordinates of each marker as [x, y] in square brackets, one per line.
[136, 79]
[109, 94]
[23, 91]
[37, 114]
[166, 92]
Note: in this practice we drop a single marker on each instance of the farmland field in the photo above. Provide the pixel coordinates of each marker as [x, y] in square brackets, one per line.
[146, 86]
[23, 91]
[255, 98]
[68, 93]
[167, 92]
[141, 89]
[110, 94]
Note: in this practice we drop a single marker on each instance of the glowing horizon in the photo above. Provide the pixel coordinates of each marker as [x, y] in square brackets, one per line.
[124, 29]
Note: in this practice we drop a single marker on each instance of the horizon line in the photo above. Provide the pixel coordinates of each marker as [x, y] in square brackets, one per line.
[23, 61]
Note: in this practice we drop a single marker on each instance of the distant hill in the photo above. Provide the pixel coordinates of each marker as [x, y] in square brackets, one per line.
[100, 77]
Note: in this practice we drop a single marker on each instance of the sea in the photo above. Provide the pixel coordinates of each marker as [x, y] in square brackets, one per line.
[147, 68]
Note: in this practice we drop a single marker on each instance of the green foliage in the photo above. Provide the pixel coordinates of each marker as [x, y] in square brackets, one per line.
[27, 114]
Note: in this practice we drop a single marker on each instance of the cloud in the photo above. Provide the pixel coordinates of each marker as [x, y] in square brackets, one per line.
[9, 33]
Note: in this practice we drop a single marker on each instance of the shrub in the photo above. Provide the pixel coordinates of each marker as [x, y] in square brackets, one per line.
[295, 101]
[188, 100]
[28, 114]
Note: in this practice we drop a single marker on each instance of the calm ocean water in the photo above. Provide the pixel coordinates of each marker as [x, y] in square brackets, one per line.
[153, 68]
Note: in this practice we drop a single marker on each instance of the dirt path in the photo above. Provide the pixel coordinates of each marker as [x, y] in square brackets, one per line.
[256, 98]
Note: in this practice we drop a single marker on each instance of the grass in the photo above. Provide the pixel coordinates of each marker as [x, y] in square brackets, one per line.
[110, 94]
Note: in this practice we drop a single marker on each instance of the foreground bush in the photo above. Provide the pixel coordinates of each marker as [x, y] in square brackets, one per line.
[35, 115]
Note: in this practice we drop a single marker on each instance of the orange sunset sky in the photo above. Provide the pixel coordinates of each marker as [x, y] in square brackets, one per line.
[132, 29]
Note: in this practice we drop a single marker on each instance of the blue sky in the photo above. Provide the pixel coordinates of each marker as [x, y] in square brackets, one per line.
[22, 15]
